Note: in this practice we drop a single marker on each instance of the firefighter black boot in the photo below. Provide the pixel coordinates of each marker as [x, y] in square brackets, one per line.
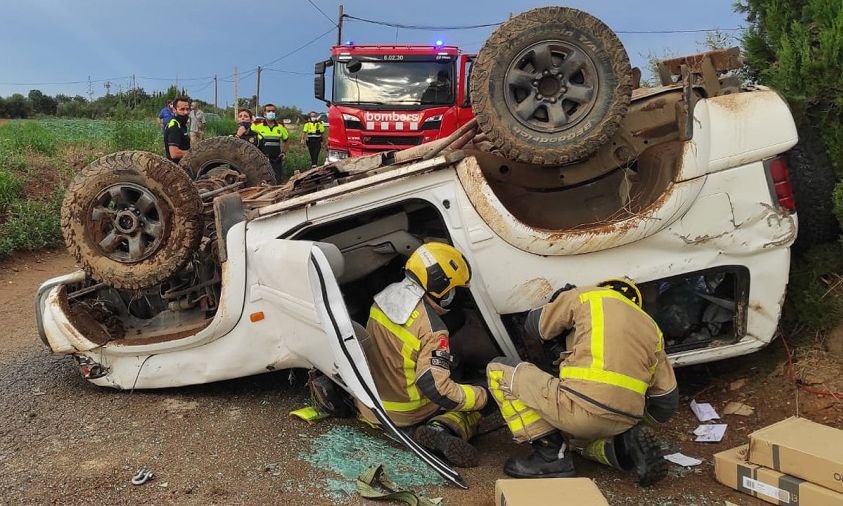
[440, 440]
[634, 451]
[640, 448]
[550, 458]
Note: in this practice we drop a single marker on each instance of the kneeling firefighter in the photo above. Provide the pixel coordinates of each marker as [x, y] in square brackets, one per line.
[614, 375]
[409, 356]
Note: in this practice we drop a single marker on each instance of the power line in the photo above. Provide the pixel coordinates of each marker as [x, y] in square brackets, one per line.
[204, 78]
[488, 25]
[296, 50]
[322, 12]
[68, 82]
[419, 27]
[290, 72]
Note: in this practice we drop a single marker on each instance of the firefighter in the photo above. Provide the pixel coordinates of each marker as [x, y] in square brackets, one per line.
[314, 132]
[614, 375]
[409, 356]
[272, 139]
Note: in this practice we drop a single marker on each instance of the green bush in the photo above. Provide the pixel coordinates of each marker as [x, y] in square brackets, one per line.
[135, 135]
[22, 136]
[10, 187]
[809, 301]
[220, 127]
[31, 225]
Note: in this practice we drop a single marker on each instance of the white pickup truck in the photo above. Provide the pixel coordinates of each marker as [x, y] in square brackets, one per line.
[689, 196]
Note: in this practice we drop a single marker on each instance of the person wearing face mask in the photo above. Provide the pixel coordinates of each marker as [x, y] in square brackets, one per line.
[313, 132]
[409, 355]
[272, 139]
[244, 127]
[175, 135]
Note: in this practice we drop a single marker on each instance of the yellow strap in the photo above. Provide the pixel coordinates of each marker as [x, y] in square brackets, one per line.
[470, 399]
[597, 333]
[605, 377]
[410, 344]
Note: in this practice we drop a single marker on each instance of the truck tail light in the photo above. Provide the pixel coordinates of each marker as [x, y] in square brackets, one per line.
[779, 178]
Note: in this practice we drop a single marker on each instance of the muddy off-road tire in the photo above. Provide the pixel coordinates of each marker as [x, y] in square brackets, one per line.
[237, 154]
[813, 179]
[550, 86]
[132, 219]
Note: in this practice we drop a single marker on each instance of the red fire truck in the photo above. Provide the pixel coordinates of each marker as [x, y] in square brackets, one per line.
[386, 97]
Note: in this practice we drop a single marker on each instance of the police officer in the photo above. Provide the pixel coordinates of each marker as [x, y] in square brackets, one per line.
[272, 139]
[175, 135]
[614, 374]
[313, 132]
[409, 356]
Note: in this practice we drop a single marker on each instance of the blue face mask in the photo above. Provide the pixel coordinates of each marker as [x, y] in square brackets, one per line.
[270, 116]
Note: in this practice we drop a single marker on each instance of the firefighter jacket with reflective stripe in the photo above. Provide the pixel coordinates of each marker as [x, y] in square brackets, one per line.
[313, 129]
[411, 366]
[616, 357]
[270, 138]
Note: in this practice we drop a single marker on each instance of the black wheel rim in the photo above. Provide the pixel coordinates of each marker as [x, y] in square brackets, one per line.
[551, 86]
[127, 223]
[216, 164]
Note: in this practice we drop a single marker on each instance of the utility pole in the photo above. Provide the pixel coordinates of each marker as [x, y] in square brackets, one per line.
[258, 92]
[216, 106]
[107, 86]
[236, 79]
[90, 90]
[339, 26]
[134, 92]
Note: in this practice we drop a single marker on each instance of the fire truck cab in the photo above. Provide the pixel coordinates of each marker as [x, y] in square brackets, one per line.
[387, 97]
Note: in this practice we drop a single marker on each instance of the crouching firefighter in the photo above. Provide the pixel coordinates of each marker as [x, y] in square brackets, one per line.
[410, 360]
[614, 375]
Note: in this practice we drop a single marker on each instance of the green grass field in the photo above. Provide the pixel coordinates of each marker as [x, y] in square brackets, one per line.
[38, 158]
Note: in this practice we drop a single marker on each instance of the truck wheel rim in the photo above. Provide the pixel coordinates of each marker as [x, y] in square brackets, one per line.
[127, 223]
[551, 86]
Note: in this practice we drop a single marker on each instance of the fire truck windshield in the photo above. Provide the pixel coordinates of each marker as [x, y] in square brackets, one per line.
[395, 83]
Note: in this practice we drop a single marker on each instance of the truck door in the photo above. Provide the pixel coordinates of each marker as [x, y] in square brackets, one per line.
[320, 331]
[464, 112]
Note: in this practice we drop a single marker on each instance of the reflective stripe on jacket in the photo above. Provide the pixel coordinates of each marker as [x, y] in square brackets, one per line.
[410, 364]
[313, 129]
[616, 350]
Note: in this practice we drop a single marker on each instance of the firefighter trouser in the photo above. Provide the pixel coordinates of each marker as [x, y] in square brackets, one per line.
[533, 406]
[314, 146]
[461, 423]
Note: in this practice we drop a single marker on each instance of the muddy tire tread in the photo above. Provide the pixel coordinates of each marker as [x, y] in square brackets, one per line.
[492, 55]
[169, 183]
[248, 159]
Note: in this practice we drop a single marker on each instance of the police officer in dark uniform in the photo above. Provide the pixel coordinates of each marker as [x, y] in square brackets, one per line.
[176, 136]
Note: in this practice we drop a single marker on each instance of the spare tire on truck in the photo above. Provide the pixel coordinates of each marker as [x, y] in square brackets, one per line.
[236, 154]
[132, 219]
[550, 86]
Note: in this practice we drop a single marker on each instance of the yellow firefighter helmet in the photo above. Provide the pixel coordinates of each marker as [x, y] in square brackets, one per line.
[625, 287]
[438, 268]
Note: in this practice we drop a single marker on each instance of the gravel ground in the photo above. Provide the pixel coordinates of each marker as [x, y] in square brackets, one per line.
[65, 441]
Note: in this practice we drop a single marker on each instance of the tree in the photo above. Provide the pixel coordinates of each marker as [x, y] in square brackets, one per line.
[17, 106]
[796, 47]
[42, 104]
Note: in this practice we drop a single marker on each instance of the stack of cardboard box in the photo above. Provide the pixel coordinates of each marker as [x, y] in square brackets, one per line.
[793, 462]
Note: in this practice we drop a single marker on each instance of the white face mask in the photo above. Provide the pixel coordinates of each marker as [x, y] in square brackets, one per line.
[448, 298]
[313, 118]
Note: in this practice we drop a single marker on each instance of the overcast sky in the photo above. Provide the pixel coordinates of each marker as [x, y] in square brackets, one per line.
[59, 41]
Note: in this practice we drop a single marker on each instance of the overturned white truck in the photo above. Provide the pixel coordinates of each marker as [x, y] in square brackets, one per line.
[571, 173]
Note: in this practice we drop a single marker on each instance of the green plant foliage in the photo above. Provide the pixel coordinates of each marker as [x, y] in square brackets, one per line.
[23, 136]
[31, 225]
[220, 127]
[10, 187]
[809, 301]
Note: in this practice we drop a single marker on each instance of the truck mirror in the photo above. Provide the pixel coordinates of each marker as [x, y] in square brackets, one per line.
[319, 68]
[353, 66]
[319, 87]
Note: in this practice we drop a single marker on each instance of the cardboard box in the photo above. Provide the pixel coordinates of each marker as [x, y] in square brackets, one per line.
[548, 492]
[732, 470]
[801, 448]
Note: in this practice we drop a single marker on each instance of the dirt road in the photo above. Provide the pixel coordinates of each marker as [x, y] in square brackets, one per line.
[67, 442]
